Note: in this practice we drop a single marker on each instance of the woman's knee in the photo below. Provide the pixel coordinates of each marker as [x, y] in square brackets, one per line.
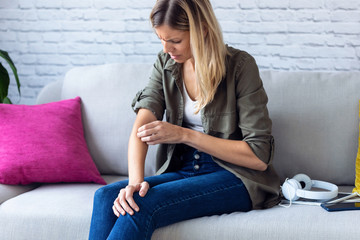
[109, 191]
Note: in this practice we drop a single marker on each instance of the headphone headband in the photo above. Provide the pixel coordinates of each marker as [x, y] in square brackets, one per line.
[293, 190]
[319, 195]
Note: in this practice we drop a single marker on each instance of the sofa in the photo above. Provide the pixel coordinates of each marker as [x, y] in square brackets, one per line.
[315, 125]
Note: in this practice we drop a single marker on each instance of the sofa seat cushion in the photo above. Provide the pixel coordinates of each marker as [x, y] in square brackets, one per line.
[297, 222]
[63, 211]
[10, 191]
[51, 211]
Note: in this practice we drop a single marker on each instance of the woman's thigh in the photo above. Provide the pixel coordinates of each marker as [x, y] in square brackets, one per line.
[209, 194]
[187, 198]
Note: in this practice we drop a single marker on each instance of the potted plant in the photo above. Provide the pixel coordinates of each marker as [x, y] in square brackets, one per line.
[5, 78]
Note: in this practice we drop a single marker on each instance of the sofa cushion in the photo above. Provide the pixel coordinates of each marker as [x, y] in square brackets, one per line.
[10, 191]
[297, 222]
[44, 143]
[314, 123]
[34, 213]
[107, 92]
[51, 211]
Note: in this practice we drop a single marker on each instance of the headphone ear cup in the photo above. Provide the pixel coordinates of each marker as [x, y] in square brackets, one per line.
[303, 178]
[289, 189]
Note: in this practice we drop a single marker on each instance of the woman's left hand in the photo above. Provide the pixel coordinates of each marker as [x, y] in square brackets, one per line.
[158, 132]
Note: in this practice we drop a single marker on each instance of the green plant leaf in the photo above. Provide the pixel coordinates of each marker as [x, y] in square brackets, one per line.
[6, 56]
[4, 82]
[7, 100]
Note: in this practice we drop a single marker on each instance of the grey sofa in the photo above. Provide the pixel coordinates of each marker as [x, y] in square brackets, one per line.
[315, 125]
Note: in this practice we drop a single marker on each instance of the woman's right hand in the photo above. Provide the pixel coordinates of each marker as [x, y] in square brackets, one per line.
[125, 203]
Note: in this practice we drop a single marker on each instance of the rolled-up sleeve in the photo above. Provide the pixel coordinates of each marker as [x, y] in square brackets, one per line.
[152, 96]
[254, 120]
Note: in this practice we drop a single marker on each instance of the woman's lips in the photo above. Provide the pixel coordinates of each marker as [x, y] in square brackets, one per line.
[174, 56]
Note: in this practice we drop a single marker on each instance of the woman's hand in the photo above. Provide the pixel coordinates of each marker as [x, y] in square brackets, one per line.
[158, 132]
[125, 203]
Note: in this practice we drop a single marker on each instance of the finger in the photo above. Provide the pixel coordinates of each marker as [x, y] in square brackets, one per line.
[144, 189]
[131, 202]
[151, 139]
[124, 202]
[148, 126]
[117, 209]
[146, 133]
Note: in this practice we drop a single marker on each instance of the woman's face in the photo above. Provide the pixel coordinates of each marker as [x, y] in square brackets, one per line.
[175, 42]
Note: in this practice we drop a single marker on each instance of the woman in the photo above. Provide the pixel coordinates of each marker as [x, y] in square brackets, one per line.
[216, 145]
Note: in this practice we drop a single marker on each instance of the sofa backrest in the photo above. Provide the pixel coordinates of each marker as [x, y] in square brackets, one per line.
[314, 115]
[315, 123]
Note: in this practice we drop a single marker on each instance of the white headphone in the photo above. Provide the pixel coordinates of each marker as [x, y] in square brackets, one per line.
[292, 188]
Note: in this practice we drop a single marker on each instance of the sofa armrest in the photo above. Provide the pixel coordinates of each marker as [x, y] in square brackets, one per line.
[10, 191]
[50, 93]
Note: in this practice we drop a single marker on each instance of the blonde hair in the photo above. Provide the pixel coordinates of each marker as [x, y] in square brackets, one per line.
[207, 45]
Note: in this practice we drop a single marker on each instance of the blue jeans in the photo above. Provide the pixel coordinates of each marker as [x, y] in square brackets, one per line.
[200, 188]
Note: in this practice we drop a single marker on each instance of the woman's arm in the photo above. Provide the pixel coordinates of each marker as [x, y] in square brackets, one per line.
[233, 151]
[137, 151]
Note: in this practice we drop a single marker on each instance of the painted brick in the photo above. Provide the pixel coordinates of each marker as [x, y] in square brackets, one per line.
[345, 28]
[8, 36]
[28, 59]
[345, 16]
[247, 4]
[273, 4]
[230, 14]
[109, 4]
[8, 4]
[49, 59]
[277, 16]
[10, 14]
[28, 37]
[71, 4]
[26, 4]
[346, 5]
[48, 4]
[306, 4]
[225, 4]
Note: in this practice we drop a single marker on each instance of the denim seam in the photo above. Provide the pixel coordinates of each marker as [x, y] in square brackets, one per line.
[189, 198]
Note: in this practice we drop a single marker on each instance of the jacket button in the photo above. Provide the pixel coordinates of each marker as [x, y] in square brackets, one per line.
[196, 156]
[196, 167]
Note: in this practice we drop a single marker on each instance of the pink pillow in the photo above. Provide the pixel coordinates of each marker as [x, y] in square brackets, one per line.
[44, 143]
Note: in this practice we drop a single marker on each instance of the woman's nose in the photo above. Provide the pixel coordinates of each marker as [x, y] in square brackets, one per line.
[167, 47]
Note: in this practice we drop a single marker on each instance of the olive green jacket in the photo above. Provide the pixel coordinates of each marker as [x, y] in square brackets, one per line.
[238, 112]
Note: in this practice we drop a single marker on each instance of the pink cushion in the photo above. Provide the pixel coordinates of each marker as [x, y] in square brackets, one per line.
[44, 143]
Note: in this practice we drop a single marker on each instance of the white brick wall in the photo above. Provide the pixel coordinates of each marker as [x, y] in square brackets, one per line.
[47, 38]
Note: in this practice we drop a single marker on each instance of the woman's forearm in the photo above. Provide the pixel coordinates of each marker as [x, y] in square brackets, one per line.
[137, 149]
[233, 151]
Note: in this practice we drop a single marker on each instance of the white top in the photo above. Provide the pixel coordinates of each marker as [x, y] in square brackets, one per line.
[191, 120]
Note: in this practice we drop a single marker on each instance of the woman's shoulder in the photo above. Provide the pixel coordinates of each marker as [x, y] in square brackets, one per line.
[238, 57]
[240, 64]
